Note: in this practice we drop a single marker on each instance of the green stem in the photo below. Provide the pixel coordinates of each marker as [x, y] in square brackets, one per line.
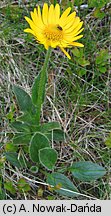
[42, 84]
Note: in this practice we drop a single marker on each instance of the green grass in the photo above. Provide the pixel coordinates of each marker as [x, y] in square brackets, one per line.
[78, 96]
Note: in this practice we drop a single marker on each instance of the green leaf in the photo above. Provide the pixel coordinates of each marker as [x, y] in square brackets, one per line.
[78, 2]
[20, 126]
[23, 185]
[98, 60]
[13, 159]
[2, 161]
[35, 89]
[102, 69]
[2, 195]
[50, 126]
[102, 57]
[34, 169]
[38, 141]
[99, 14]
[108, 141]
[10, 116]
[25, 127]
[56, 179]
[76, 52]
[56, 135]
[23, 99]
[98, 4]
[48, 157]
[82, 72]
[83, 62]
[10, 147]
[28, 118]
[9, 186]
[22, 138]
[43, 128]
[87, 171]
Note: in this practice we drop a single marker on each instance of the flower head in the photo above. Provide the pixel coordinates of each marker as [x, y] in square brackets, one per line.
[54, 30]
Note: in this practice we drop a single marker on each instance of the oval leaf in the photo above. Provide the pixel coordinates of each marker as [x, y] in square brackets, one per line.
[67, 187]
[38, 141]
[87, 171]
[23, 99]
[48, 157]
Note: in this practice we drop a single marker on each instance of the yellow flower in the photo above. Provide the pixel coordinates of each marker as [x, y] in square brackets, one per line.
[54, 30]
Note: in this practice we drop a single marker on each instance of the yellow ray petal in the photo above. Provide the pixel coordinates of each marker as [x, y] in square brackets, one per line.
[65, 52]
[79, 26]
[51, 15]
[77, 33]
[69, 25]
[54, 44]
[32, 16]
[35, 14]
[57, 13]
[39, 12]
[36, 19]
[63, 44]
[73, 34]
[38, 16]
[64, 15]
[73, 29]
[28, 30]
[46, 45]
[72, 37]
[45, 14]
[77, 44]
[76, 22]
[77, 37]
[70, 18]
[31, 23]
[42, 40]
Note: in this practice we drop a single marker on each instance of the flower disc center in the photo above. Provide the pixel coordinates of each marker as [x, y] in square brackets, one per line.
[53, 32]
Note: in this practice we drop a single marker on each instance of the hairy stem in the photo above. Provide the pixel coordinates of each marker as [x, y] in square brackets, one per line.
[42, 84]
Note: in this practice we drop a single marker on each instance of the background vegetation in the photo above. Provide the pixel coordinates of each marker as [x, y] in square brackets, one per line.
[78, 96]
